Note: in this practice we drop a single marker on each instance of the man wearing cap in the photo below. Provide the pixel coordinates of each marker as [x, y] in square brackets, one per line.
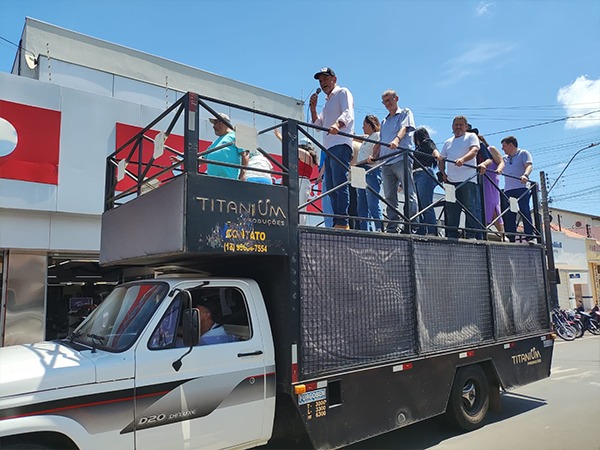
[227, 151]
[211, 332]
[337, 115]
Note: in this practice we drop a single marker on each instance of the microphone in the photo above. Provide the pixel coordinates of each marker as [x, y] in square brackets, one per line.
[318, 91]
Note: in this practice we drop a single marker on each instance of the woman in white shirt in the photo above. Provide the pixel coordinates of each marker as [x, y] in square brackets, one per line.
[368, 202]
[258, 161]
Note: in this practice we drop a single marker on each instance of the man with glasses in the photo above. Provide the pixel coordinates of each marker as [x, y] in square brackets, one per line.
[337, 115]
[518, 165]
[396, 132]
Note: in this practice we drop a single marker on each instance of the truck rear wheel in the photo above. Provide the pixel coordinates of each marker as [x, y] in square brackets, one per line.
[469, 399]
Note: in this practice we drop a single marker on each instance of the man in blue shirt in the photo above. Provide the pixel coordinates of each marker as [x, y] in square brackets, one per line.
[397, 131]
[229, 153]
[211, 332]
[518, 165]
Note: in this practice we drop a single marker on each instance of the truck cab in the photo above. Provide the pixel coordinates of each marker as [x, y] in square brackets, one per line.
[126, 379]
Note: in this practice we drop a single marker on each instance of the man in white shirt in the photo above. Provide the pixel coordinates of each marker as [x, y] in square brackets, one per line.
[462, 148]
[337, 115]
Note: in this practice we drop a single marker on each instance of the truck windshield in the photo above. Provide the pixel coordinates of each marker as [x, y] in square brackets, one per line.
[117, 322]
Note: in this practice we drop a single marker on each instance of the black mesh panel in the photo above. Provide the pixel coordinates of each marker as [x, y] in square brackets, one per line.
[356, 305]
[453, 295]
[519, 290]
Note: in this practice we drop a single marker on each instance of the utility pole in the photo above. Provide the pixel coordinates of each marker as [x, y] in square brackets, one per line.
[552, 273]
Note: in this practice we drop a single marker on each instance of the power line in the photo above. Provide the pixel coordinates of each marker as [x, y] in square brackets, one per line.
[562, 119]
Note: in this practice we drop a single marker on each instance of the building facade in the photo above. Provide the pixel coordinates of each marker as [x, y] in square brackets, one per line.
[576, 239]
[69, 102]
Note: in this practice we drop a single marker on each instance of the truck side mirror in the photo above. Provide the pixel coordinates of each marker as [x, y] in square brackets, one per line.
[191, 327]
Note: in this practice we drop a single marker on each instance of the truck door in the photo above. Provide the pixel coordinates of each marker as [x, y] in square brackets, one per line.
[217, 398]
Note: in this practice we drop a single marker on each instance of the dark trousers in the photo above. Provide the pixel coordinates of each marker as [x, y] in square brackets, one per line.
[510, 218]
[336, 175]
[468, 195]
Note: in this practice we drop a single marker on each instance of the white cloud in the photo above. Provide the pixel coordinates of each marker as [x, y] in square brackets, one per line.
[474, 60]
[485, 9]
[579, 98]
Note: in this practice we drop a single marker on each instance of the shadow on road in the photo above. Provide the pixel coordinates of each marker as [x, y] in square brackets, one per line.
[431, 432]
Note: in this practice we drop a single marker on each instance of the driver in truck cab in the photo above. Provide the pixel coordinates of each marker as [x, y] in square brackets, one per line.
[211, 331]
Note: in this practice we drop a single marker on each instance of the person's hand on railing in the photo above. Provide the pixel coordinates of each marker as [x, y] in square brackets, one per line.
[482, 168]
[176, 160]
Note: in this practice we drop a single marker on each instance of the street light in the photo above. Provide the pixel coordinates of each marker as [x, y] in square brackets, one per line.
[572, 158]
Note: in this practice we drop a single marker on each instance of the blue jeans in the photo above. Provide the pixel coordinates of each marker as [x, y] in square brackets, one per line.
[368, 202]
[425, 182]
[326, 203]
[510, 218]
[336, 175]
[468, 195]
[392, 176]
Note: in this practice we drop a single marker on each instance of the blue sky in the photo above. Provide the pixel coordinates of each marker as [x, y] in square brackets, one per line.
[509, 66]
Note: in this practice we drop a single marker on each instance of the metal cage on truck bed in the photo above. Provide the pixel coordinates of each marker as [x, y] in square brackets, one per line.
[338, 300]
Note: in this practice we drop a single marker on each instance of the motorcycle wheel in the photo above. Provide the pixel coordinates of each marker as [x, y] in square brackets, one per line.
[579, 329]
[565, 332]
[593, 327]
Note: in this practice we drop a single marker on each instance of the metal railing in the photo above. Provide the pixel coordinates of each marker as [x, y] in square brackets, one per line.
[144, 162]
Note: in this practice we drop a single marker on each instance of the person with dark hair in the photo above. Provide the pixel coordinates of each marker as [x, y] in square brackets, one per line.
[337, 115]
[368, 202]
[490, 165]
[426, 155]
[518, 165]
[461, 148]
[396, 132]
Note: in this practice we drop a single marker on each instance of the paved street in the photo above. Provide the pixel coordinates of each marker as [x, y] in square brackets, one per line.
[554, 414]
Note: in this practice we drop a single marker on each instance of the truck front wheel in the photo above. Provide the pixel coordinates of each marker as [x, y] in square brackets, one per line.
[37, 441]
[469, 399]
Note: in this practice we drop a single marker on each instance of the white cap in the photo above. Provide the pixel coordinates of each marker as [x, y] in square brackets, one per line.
[223, 115]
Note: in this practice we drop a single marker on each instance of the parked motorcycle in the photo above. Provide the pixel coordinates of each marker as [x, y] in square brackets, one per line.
[574, 319]
[589, 322]
[561, 325]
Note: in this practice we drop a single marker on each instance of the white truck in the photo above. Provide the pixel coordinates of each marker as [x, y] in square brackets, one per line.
[328, 334]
